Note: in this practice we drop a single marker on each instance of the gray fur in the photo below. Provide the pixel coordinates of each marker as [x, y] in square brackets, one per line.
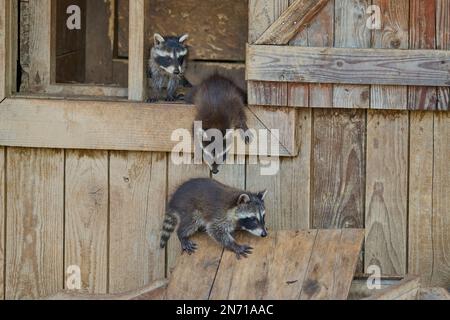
[205, 204]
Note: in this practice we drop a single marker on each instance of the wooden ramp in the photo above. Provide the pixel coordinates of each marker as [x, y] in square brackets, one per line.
[290, 265]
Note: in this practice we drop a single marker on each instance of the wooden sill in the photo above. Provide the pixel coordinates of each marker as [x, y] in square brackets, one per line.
[117, 125]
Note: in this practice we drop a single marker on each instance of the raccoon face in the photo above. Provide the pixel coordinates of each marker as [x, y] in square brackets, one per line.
[170, 53]
[251, 213]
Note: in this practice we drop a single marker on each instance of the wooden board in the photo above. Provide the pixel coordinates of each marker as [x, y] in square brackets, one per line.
[3, 47]
[86, 217]
[2, 220]
[348, 66]
[387, 191]
[34, 239]
[116, 125]
[216, 28]
[137, 205]
[441, 201]
[420, 202]
[123, 27]
[443, 43]
[291, 265]
[406, 289]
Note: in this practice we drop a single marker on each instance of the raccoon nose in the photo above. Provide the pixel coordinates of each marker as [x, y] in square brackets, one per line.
[177, 72]
[264, 234]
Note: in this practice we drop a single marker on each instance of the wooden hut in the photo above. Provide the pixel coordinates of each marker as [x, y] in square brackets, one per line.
[362, 113]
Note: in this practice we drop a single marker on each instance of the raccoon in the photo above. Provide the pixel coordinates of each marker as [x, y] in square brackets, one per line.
[166, 66]
[220, 105]
[207, 205]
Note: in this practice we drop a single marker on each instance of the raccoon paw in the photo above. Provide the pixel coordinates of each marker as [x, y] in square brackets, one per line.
[243, 251]
[188, 246]
[152, 100]
[171, 99]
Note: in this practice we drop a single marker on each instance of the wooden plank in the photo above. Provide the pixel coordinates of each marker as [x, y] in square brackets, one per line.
[4, 9]
[138, 49]
[262, 14]
[332, 264]
[100, 41]
[2, 220]
[193, 277]
[407, 289]
[289, 184]
[103, 125]
[217, 29]
[86, 217]
[338, 169]
[137, 205]
[443, 43]
[293, 20]
[387, 191]
[123, 25]
[286, 277]
[40, 44]
[420, 217]
[177, 175]
[85, 90]
[393, 35]
[35, 206]
[348, 66]
[422, 36]
[441, 201]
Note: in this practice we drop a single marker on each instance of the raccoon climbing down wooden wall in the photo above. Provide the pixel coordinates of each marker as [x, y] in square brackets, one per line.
[166, 67]
[207, 205]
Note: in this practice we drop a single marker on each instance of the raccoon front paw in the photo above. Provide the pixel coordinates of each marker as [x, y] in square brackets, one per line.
[152, 100]
[188, 246]
[171, 99]
[242, 251]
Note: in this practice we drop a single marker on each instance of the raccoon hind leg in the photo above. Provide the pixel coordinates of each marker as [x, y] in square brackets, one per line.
[187, 228]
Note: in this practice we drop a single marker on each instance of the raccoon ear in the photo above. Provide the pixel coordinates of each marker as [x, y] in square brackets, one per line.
[243, 198]
[158, 39]
[183, 38]
[262, 195]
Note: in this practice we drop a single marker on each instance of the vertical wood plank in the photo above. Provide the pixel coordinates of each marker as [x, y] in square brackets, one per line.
[287, 202]
[233, 175]
[177, 175]
[441, 201]
[393, 35]
[387, 191]
[86, 222]
[261, 16]
[40, 44]
[137, 204]
[4, 8]
[420, 231]
[34, 230]
[138, 51]
[2, 221]
[422, 36]
[443, 43]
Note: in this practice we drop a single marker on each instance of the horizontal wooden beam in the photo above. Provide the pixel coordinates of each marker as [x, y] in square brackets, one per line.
[292, 21]
[85, 90]
[100, 125]
[348, 66]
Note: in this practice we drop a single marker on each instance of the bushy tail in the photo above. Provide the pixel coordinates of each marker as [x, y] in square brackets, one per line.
[169, 225]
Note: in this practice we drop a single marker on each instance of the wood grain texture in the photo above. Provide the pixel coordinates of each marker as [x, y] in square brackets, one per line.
[3, 38]
[293, 20]
[123, 24]
[422, 36]
[35, 206]
[177, 175]
[348, 66]
[406, 289]
[441, 201]
[393, 35]
[86, 217]
[193, 277]
[137, 206]
[443, 43]
[338, 168]
[217, 29]
[116, 125]
[2, 220]
[40, 44]
[138, 51]
[287, 202]
[387, 191]
[233, 174]
[420, 218]
[262, 14]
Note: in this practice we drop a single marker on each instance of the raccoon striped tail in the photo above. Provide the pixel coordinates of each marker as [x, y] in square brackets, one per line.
[169, 225]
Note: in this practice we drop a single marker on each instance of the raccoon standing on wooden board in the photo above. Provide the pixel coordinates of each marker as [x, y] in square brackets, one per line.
[205, 204]
[166, 66]
[220, 105]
